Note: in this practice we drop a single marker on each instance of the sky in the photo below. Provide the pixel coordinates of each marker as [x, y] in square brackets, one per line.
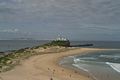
[74, 19]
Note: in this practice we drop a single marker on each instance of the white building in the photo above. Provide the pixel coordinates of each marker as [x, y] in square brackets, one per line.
[61, 39]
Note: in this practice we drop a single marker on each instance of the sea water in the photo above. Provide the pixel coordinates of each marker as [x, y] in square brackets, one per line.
[101, 65]
[8, 45]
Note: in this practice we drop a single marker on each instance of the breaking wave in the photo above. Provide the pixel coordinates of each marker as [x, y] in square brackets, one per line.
[115, 66]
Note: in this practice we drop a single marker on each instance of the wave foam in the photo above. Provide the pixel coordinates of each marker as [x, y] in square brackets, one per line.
[86, 59]
[75, 65]
[110, 56]
[76, 60]
[115, 66]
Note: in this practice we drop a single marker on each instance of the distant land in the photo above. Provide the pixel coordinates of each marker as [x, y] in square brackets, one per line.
[22, 38]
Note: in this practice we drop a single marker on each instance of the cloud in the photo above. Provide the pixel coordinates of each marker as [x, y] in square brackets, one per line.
[76, 16]
[70, 11]
[83, 11]
[83, 8]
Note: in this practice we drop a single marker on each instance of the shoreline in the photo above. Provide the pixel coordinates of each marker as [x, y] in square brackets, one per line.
[81, 71]
[46, 66]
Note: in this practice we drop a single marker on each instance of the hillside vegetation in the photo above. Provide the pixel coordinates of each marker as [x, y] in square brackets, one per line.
[7, 62]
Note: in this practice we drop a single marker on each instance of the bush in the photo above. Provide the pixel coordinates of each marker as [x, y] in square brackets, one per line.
[60, 43]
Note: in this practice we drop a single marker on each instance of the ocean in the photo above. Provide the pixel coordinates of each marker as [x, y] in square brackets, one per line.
[100, 65]
[8, 45]
[99, 44]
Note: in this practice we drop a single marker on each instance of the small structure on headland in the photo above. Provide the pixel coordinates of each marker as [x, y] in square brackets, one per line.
[61, 41]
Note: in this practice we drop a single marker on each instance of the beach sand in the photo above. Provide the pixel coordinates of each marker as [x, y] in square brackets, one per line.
[46, 67]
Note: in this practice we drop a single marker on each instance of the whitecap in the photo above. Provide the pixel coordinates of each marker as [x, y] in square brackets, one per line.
[76, 60]
[76, 65]
[115, 66]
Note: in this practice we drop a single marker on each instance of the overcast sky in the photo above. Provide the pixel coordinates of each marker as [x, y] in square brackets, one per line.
[75, 19]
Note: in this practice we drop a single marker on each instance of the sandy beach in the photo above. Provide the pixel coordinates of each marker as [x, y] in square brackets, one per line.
[46, 67]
